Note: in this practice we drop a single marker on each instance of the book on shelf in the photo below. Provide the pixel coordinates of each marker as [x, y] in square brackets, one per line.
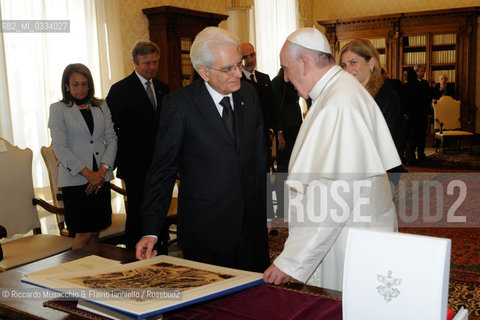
[382, 59]
[187, 67]
[185, 44]
[146, 288]
[449, 73]
[447, 38]
[414, 58]
[444, 56]
[415, 41]
[378, 43]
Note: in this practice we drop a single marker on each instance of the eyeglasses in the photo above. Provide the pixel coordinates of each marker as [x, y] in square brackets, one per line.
[229, 69]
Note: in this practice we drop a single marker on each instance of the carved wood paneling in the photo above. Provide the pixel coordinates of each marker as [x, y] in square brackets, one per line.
[461, 21]
[166, 26]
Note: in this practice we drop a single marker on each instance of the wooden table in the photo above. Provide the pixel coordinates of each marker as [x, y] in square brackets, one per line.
[34, 309]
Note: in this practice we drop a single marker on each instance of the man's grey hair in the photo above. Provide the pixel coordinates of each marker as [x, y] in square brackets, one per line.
[143, 48]
[321, 59]
[418, 67]
[202, 50]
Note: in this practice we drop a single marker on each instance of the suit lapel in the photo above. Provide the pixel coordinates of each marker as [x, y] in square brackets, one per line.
[97, 115]
[206, 107]
[77, 115]
[141, 92]
[244, 77]
[158, 92]
[240, 106]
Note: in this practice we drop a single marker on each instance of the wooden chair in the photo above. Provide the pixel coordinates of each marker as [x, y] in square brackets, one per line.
[113, 233]
[18, 213]
[447, 122]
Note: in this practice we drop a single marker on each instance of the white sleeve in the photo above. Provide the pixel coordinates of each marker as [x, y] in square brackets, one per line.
[312, 232]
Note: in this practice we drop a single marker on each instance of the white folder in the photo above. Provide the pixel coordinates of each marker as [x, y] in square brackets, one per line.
[390, 275]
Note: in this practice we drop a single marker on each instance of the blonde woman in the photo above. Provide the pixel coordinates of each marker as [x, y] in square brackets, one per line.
[359, 58]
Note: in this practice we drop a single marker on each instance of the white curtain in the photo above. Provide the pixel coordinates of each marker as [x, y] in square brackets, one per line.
[5, 117]
[110, 49]
[34, 63]
[274, 21]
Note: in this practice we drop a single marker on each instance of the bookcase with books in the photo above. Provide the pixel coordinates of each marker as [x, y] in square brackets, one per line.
[436, 51]
[187, 67]
[445, 41]
[173, 30]
[414, 51]
[444, 54]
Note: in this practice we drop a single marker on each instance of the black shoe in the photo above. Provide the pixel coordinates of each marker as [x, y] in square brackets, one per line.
[412, 162]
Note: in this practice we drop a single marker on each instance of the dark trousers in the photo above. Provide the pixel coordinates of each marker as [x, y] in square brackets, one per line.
[250, 253]
[283, 159]
[133, 225]
[418, 134]
[402, 139]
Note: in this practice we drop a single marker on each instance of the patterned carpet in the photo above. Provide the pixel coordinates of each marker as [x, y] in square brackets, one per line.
[464, 266]
[465, 159]
[464, 288]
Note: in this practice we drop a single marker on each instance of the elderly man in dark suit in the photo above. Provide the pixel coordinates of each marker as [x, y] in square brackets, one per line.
[211, 132]
[135, 104]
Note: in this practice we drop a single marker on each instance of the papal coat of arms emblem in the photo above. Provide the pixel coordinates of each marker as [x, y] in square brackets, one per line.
[388, 288]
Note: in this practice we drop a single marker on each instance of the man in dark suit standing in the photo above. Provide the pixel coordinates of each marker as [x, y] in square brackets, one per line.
[263, 85]
[135, 104]
[420, 126]
[212, 133]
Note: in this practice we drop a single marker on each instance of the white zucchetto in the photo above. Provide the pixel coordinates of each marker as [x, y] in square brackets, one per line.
[310, 38]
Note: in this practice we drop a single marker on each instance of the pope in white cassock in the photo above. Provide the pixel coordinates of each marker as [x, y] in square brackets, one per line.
[337, 174]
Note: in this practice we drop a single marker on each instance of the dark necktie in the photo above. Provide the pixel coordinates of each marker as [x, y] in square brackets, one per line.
[228, 116]
[252, 77]
[150, 94]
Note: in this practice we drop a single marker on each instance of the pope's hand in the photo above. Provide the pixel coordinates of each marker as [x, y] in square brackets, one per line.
[144, 248]
[275, 275]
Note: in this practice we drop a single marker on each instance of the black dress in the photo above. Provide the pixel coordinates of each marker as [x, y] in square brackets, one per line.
[87, 213]
[389, 103]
